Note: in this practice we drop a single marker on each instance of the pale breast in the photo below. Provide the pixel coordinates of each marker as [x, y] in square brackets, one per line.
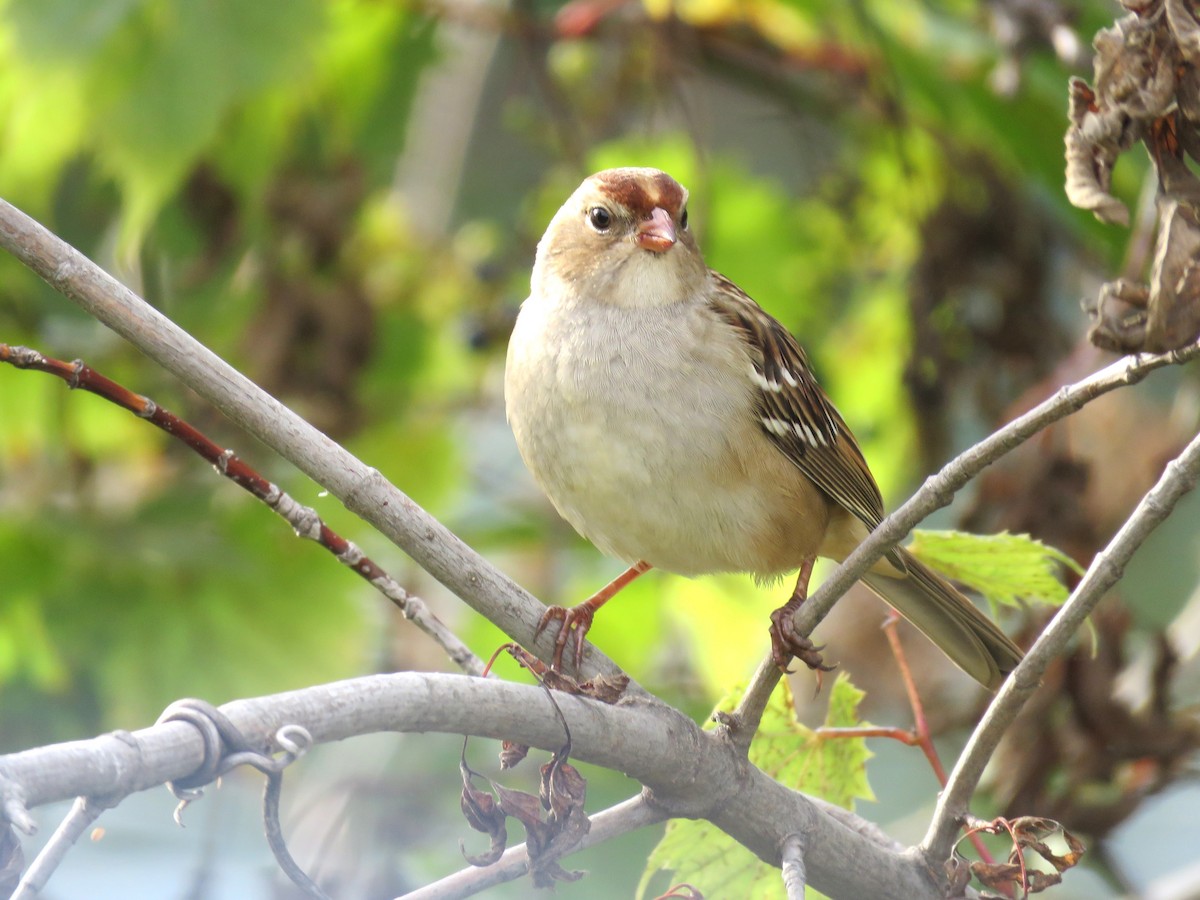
[637, 429]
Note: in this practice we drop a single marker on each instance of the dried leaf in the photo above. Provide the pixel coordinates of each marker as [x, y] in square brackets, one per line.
[511, 753]
[1027, 833]
[483, 814]
[563, 788]
[1093, 143]
[958, 876]
[522, 806]
[605, 688]
[546, 873]
[997, 875]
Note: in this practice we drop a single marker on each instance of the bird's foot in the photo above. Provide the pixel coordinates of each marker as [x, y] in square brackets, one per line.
[575, 620]
[788, 644]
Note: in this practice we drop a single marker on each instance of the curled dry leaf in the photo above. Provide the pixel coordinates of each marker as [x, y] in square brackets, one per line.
[1094, 141]
[1147, 88]
[1165, 314]
[605, 688]
[1028, 833]
[542, 837]
[511, 753]
[563, 788]
[958, 876]
[522, 806]
[484, 814]
[562, 794]
[999, 875]
[1136, 74]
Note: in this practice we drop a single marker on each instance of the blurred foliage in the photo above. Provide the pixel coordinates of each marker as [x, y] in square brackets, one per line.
[696, 852]
[342, 197]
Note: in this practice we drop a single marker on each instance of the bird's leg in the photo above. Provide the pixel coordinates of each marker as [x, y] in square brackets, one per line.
[578, 619]
[785, 642]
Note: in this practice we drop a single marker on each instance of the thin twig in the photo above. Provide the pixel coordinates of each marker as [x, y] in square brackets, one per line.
[84, 811]
[920, 732]
[938, 491]
[1179, 477]
[363, 489]
[793, 866]
[628, 815]
[304, 520]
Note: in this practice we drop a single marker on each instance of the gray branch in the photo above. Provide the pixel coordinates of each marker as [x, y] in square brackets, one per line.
[1106, 569]
[794, 874]
[686, 771]
[938, 491]
[362, 489]
[84, 811]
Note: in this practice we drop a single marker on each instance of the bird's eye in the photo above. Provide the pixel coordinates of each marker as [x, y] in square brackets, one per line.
[599, 218]
[683, 219]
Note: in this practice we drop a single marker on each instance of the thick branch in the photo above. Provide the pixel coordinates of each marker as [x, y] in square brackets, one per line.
[361, 488]
[1106, 569]
[686, 771]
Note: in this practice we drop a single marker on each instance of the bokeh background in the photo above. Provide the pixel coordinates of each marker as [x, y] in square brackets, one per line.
[342, 198]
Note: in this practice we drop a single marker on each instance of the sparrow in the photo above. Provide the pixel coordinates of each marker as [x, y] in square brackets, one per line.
[677, 425]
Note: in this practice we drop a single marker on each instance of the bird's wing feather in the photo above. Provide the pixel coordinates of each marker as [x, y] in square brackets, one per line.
[795, 412]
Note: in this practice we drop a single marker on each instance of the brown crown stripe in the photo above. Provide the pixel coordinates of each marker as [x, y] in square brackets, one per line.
[642, 190]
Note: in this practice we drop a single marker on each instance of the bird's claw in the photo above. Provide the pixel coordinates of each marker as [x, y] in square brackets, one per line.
[576, 621]
[787, 644]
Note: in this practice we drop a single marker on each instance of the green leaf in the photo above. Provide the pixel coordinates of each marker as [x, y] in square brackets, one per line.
[795, 755]
[1005, 568]
[697, 852]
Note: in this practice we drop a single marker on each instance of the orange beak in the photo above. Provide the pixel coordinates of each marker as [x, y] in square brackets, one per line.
[657, 233]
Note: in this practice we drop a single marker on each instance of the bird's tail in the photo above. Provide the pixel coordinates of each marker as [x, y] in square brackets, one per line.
[973, 642]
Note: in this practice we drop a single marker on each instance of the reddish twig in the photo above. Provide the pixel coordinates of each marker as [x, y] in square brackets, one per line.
[920, 732]
[304, 520]
[917, 736]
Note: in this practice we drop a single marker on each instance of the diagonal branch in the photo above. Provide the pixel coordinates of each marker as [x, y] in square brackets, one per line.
[361, 488]
[938, 491]
[84, 811]
[304, 519]
[1180, 476]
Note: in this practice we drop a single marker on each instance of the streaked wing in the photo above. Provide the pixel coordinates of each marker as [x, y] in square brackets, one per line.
[795, 412]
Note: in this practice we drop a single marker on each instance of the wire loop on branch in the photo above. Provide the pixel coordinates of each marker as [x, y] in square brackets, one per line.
[226, 748]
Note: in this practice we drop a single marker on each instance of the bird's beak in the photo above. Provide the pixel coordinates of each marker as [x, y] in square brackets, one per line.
[657, 233]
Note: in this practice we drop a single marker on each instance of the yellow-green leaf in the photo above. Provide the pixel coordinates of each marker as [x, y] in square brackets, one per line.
[1004, 568]
[794, 754]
